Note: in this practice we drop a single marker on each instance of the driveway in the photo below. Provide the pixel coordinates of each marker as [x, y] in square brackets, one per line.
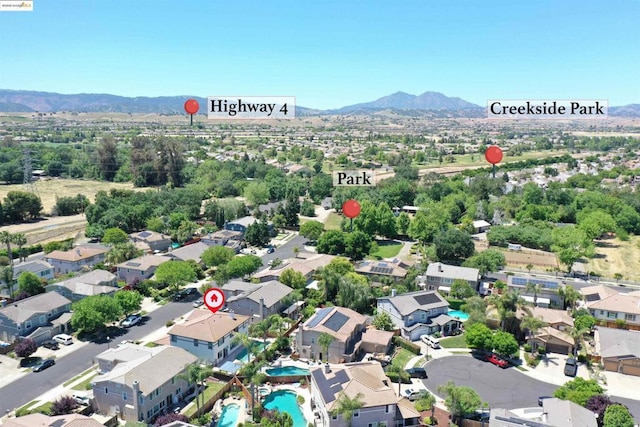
[500, 388]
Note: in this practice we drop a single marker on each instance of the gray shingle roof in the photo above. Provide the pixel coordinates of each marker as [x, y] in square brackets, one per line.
[438, 269]
[618, 342]
[272, 292]
[26, 308]
[421, 300]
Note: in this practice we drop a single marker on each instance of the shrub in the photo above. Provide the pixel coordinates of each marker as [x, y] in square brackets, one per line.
[407, 345]
[394, 377]
[531, 360]
[169, 323]
[582, 358]
[300, 400]
[527, 348]
[64, 405]
[169, 418]
[542, 350]
[26, 348]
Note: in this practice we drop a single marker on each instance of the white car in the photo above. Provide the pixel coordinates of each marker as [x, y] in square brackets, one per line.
[82, 400]
[131, 320]
[411, 394]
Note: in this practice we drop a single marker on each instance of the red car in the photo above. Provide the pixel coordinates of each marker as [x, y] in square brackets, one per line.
[496, 360]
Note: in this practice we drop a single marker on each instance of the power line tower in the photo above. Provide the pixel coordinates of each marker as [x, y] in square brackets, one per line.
[27, 180]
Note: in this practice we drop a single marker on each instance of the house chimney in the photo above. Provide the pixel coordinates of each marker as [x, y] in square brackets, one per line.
[393, 292]
[327, 368]
[78, 251]
[232, 314]
[261, 308]
[440, 267]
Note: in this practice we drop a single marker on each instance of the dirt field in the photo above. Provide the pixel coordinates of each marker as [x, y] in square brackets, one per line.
[540, 260]
[615, 256]
[49, 190]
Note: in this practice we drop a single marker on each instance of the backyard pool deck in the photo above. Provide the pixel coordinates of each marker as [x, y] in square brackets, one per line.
[304, 392]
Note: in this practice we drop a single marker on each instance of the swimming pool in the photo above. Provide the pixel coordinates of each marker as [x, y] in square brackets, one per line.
[285, 401]
[229, 416]
[461, 315]
[287, 370]
[243, 356]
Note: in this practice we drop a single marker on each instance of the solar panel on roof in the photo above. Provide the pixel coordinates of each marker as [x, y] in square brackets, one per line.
[144, 234]
[341, 377]
[335, 389]
[592, 297]
[382, 264]
[336, 321]
[319, 317]
[323, 385]
[426, 299]
[522, 281]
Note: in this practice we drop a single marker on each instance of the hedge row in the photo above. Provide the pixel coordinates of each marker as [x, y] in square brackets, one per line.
[407, 345]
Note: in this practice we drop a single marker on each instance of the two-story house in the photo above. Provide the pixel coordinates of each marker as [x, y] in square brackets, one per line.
[343, 324]
[76, 259]
[40, 268]
[305, 263]
[150, 241]
[138, 383]
[209, 336]
[241, 224]
[261, 299]
[140, 268]
[440, 276]
[365, 381]
[192, 252]
[418, 313]
[542, 292]
[37, 317]
[221, 238]
[377, 270]
[96, 282]
[607, 305]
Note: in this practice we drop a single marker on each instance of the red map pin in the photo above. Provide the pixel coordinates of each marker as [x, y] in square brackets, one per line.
[191, 106]
[214, 299]
[493, 154]
[351, 208]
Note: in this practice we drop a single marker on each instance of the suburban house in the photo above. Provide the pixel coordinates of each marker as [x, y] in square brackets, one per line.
[419, 313]
[39, 317]
[612, 307]
[305, 263]
[619, 350]
[380, 404]
[191, 252]
[96, 282]
[377, 270]
[209, 335]
[554, 336]
[263, 299]
[76, 259]
[480, 226]
[554, 412]
[40, 268]
[343, 324]
[229, 238]
[138, 383]
[547, 295]
[241, 224]
[150, 241]
[140, 268]
[37, 419]
[554, 340]
[440, 276]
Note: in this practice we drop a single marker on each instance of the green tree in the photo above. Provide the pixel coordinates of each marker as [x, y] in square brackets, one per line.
[357, 245]
[94, 312]
[243, 265]
[402, 223]
[20, 206]
[6, 276]
[487, 261]
[570, 243]
[618, 415]
[367, 221]
[196, 374]
[122, 252]
[460, 400]
[429, 220]
[535, 289]
[382, 321]
[175, 274]
[532, 325]
[217, 255]
[354, 294]
[596, 223]
[507, 305]
[346, 406]
[584, 320]
[19, 239]
[312, 230]
[569, 295]
[30, 283]
[129, 301]
[461, 289]
[114, 235]
[476, 307]
[453, 244]
[479, 336]
[324, 341]
[504, 343]
[7, 239]
[245, 340]
[578, 390]
[331, 242]
[257, 234]
[293, 279]
[386, 221]
[256, 193]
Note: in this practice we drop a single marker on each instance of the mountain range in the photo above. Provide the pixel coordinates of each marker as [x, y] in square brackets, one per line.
[401, 102]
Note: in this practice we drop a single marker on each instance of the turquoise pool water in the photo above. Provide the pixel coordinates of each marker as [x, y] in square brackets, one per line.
[459, 314]
[285, 401]
[244, 355]
[287, 370]
[229, 416]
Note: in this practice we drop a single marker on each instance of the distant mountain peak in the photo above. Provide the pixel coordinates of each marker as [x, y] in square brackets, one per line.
[405, 101]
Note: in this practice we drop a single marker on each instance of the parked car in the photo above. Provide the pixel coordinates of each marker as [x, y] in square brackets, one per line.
[51, 345]
[271, 250]
[63, 339]
[417, 372]
[198, 303]
[571, 367]
[412, 394]
[44, 365]
[184, 293]
[496, 360]
[431, 341]
[82, 400]
[131, 320]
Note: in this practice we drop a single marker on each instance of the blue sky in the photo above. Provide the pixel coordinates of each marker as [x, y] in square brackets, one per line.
[327, 53]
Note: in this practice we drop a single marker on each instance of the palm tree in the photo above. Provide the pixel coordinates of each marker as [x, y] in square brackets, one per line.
[6, 275]
[246, 341]
[507, 305]
[532, 325]
[260, 329]
[276, 322]
[324, 341]
[20, 240]
[122, 252]
[346, 406]
[570, 295]
[577, 335]
[402, 374]
[535, 289]
[7, 239]
[196, 374]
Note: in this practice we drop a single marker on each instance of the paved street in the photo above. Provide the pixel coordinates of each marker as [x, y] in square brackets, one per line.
[501, 388]
[33, 385]
[286, 250]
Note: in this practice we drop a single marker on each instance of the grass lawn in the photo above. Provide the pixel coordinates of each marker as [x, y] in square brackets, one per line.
[333, 221]
[212, 388]
[77, 377]
[386, 249]
[86, 384]
[151, 344]
[402, 357]
[457, 341]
